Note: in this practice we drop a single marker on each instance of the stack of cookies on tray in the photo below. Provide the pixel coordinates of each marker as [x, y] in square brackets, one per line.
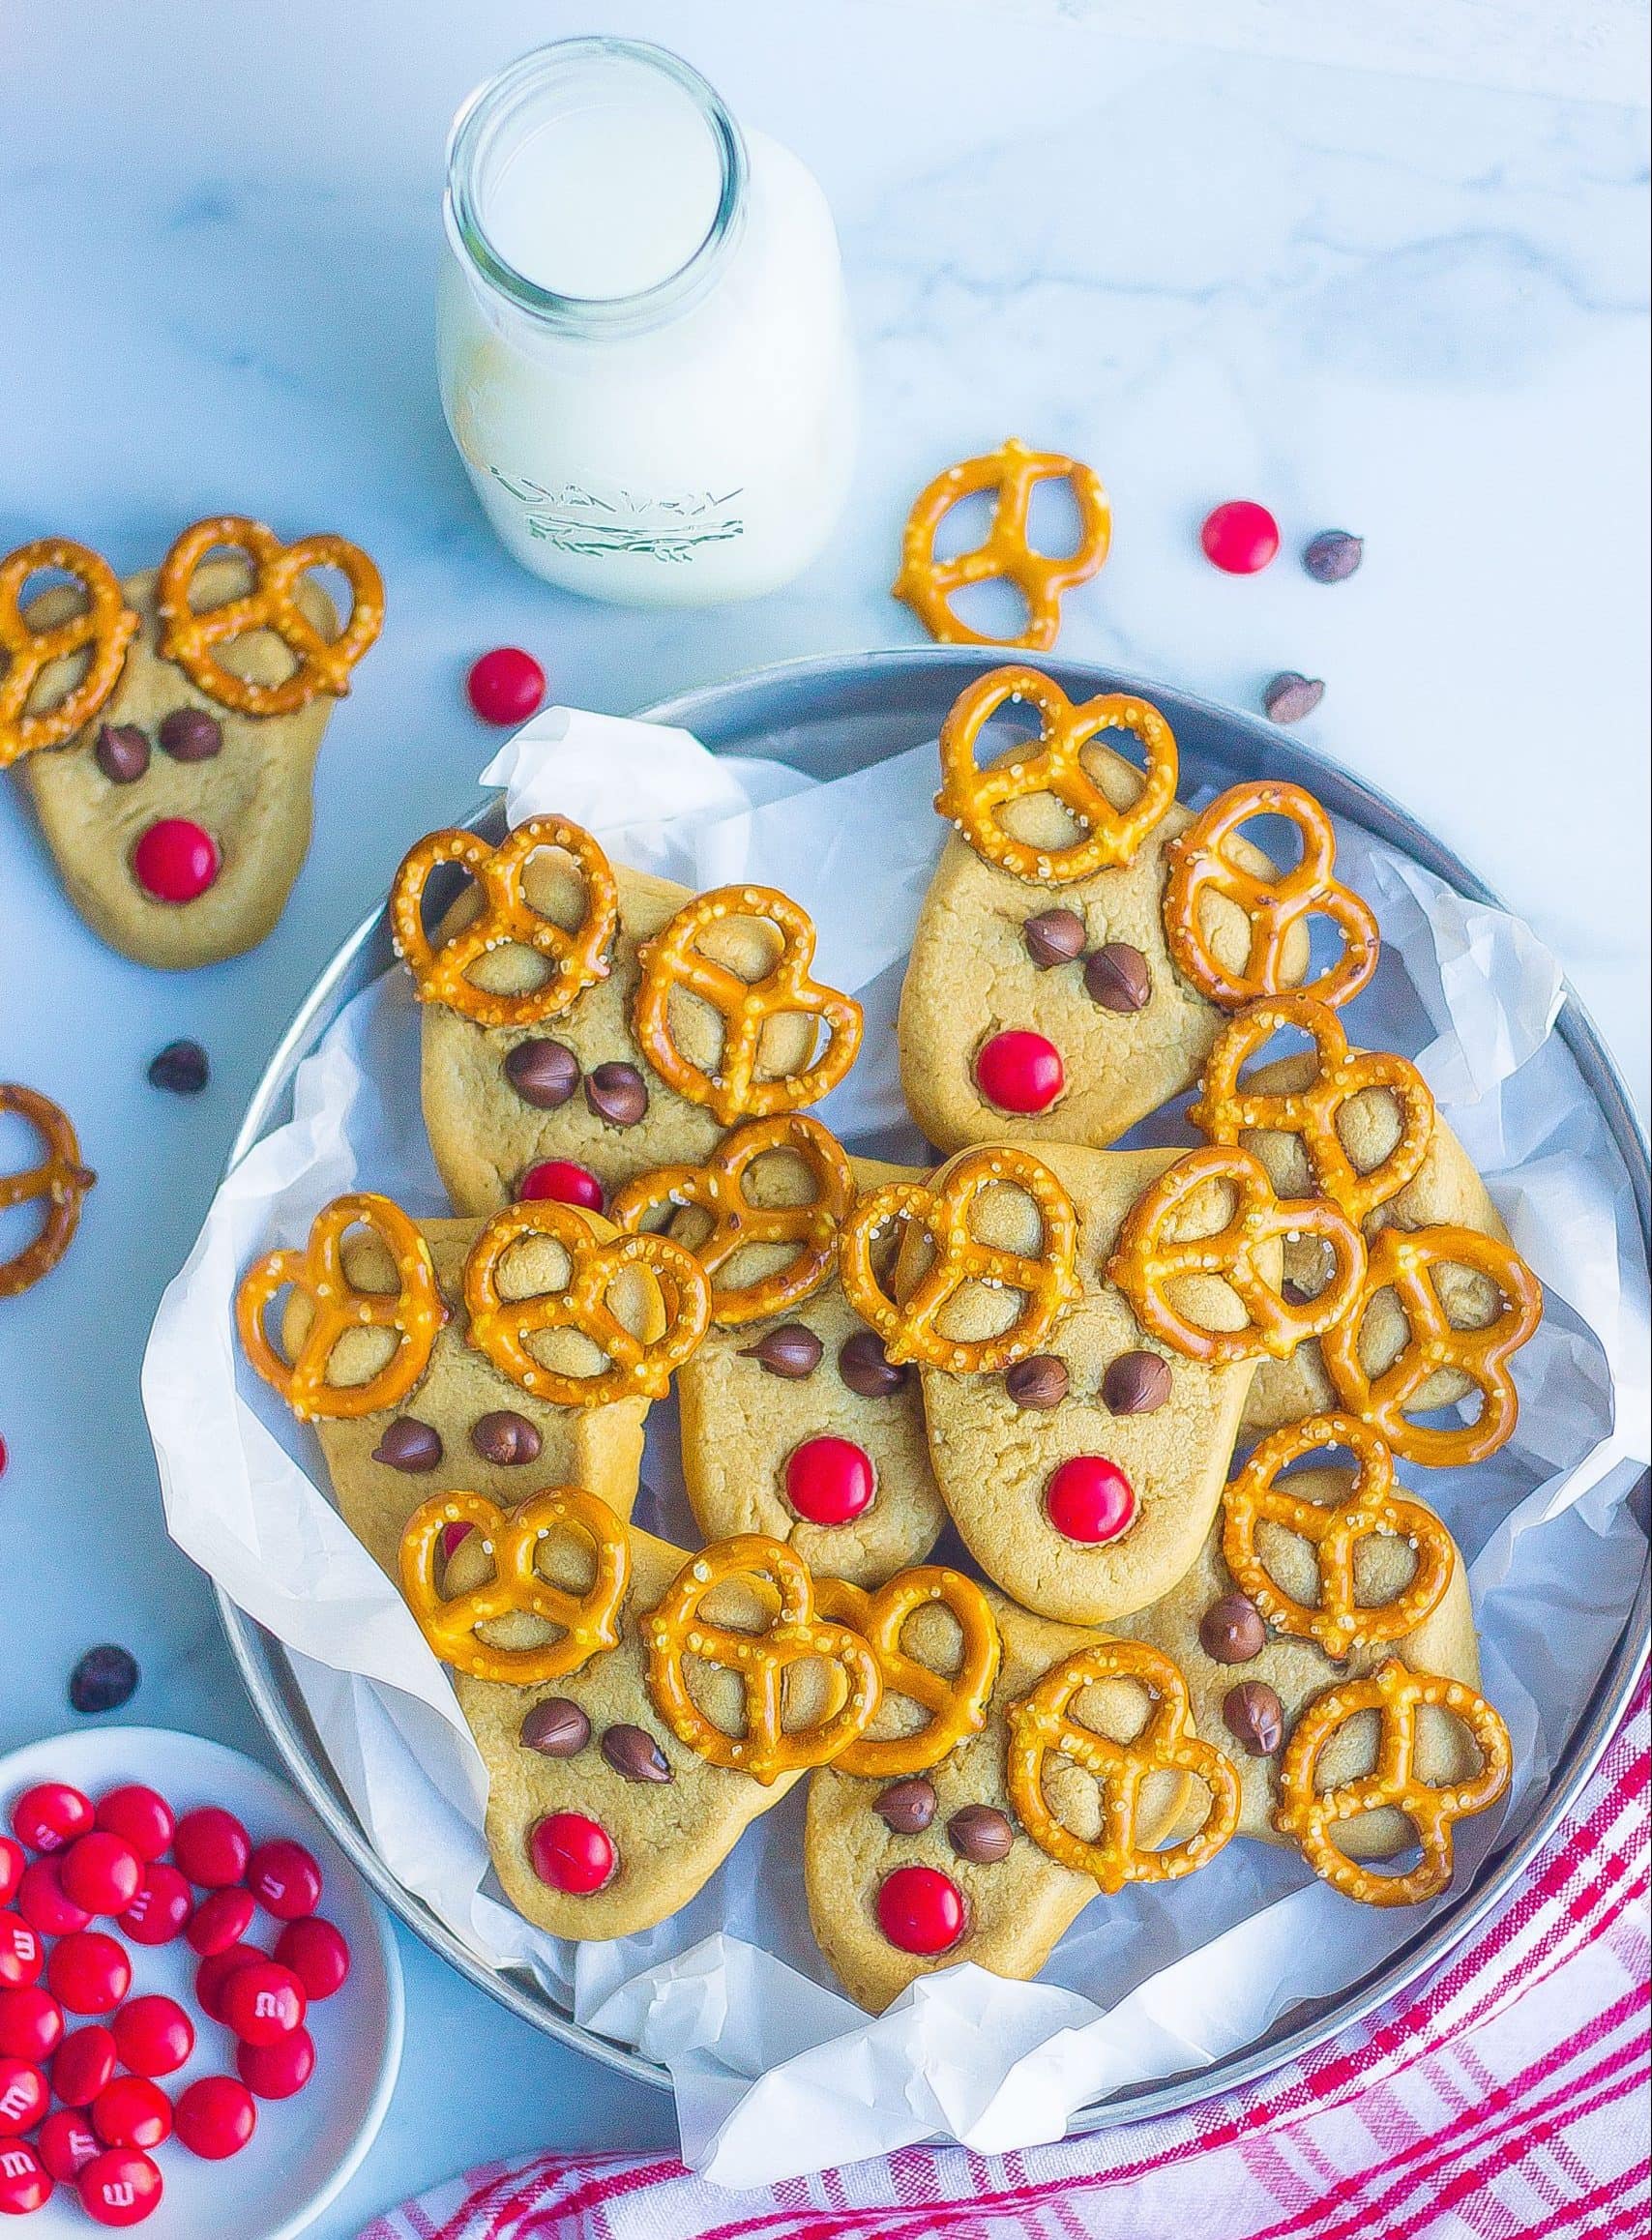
[1176, 1404]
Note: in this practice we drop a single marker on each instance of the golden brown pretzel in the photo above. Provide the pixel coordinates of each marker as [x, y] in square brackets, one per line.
[1147, 1263]
[415, 1309]
[718, 1189]
[1259, 1493]
[1226, 1111]
[926, 585]
[190, 635]
[973, 797]
[451, 1622]
[1040, 1724]
[1403, 1260]
[957, 1703]
[674, 959]
[767, 1748]
[104, 628]
[60, 1182]
[1309, 1814]
[1047, 1282]
[576, 960]
[1274, 907]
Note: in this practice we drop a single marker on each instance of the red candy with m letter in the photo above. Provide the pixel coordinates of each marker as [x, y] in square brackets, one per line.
[920, 1910]
[285, 1881]
[122, 2187]
[50, 1815]
[24, 2096]
[22, 1955]
[1019, 1072]
[263, 2001]
[66, 2143]
[25, 2183]
[161, 1907]
[830, 1481]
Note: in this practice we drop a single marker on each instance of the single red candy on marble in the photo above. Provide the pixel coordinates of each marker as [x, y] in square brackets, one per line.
[131, 2112]
[175, 861]
[572, 1853]
[222, 1919]
[101, 1871]
[1090, 1499]
[276, 2072]
[24, 2096]
[214, 2117]
[1240, 537]
[212, 1976]
[263, 2001]
[316, 1954]
[88, 1972]
[285, 1880]
[920, 1909]
[505, 686]
[31, 2023]
[154, 2036]
[211, 1848]
[142, 1817]
[560, 1179]
[50, 1815]
[66, 2143]
[12, 1861]
[161, 1907]
[44, 1902]
[25, 2182]
[122, 2187]
[1019, 1072]
[83, 2064]
[22, 1955]
[829, 1481]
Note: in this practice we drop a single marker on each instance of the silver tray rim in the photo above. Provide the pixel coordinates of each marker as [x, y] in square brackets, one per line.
[744, 712]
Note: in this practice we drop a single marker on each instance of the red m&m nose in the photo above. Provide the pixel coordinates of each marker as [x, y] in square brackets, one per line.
[1019, 1072]
[1090, 1499]
[1240, 537]
[920, 1909]
[562, 1180]
[830, 1481]
[175, 861]
[572, 1853]
[505, 686]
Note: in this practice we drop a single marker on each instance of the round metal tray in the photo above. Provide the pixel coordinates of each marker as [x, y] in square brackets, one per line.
[829, 715]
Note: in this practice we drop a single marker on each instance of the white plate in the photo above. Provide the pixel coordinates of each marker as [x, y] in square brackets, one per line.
[306, 2149]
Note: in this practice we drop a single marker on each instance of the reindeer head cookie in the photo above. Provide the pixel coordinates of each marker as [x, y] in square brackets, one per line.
[169, 747]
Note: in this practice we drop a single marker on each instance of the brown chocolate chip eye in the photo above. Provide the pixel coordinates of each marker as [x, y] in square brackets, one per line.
[557, 1727]
[1053, 937]
[634, 1754]
[121, 752]
[791, 1351]
[1254, 1717]
[865, 1368]
[544, 1074]
[408, 1444]
[1038, 1382]
[616, 1093]
[190, 735]
[504, 1437]
[906, 1808]
[1116, 977]
[981, 1833]
[1135, 1384]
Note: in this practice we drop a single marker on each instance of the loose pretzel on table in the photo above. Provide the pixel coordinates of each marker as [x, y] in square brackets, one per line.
[59, 1181]
[190, 636]
[104, 628]
[955, 1702]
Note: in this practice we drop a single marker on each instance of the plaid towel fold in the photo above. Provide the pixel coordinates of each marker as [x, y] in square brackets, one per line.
[1508, 2098]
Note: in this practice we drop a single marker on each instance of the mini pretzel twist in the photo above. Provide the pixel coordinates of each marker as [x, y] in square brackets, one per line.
[1200, 867]
[576, 960]
[104, 628]
[957, 1703]
[500, 1328]
[1048, 1281]
[1040, 1724]
[452, 1624]
[1403, 1261]
[767, 1747]
[190, 635]
[60, 1182]
[1226, 1111]
[718, 1189]
[926, 585]
[1147, 1261]
[1309, 1814]
[415, 1309]
[974, 798]
[1337, 1621]
[674, 959]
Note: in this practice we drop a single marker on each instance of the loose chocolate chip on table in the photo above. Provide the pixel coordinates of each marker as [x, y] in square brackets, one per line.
[634, 1754]
[1038, 1382]
[980, 1834]
[181, 1067]
[557, 1727]
[1291, 696]
[906, 1808]
[505, 1437]
[543, 1073]
[1117, 978]
[1232, 1631]
[616, 1093]
[408, 1444]
[191, 735]
[1053, 937]
[1254, 1717]
[865, 1367]
[1135, 1384]
[121, 752]
[1333, 555]
[103, 1679]
[791, 1351]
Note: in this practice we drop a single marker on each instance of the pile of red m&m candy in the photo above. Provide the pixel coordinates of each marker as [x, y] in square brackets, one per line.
[79, 2058]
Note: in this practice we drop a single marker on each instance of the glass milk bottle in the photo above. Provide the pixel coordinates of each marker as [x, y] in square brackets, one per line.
[644, 340]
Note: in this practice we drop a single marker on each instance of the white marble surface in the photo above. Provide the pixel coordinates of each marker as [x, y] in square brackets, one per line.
[1408, 308]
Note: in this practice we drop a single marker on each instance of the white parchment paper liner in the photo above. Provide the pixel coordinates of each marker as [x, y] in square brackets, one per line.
[775, 2071]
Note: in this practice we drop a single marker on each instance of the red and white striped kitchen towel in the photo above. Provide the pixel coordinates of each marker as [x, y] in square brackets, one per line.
[1508, 2098]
